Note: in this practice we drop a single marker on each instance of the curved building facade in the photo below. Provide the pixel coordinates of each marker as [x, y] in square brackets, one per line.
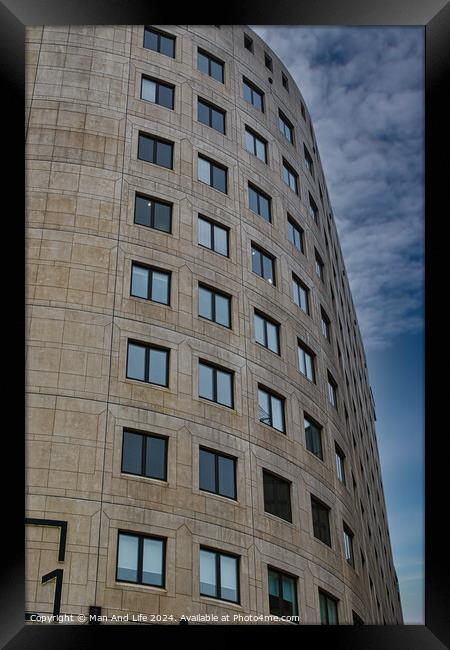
[200, 426]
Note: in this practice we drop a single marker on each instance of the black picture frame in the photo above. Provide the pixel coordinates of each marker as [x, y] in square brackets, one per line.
[434, 16]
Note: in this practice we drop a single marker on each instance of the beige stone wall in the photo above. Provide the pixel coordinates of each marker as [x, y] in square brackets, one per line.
[83, 116]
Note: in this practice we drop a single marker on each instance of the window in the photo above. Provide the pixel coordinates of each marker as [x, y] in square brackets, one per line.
[214, 305]
[268, 62]
[325, 324]
[295, 234]
[210, 115]
[149, 283]
[313, 435]
[212, 174]
[290, 176]
[267, 332]
[328, 609]
[357, 620]
[301, 294]
[213, 236]
[141, 559]
[263, 265]
[282, 594]
[259, 203]
[340, 464]
[159, 41]
[285, 127]
[153, 213]
[306, 361]
[348, 546]
[156, 151]
[271, 409]
[321, 521]
[217, 473]
[308, 161]
[313, 209]
[148, 363]
[255, 144]
[215, 384]
[248, 43]
[319, 266]
[157, 92]
[144, 455]
[277, 496]
[284, 81]
[219, 575]
[210, 65]
[332, 391]
[302, 108]
[253, 95]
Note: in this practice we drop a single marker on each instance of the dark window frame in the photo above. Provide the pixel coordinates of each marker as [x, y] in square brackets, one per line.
[329, 597]
[312, 422]
[340, 454]
[347, 531]
[141, 537]
[325, 320]
[145, 436]
[148, 347]
[254, 90]
[268, 62]
[271, 393]
[281, 575]
[287, 125]
[218, 554]
[291, 173]
[333, 383]
[309, 161]
[211, 57]
[153, 200]
[260, 194]
[248, 43]
[212, 164]
[158, 83]
[285, 81]
[314, 208]
[212, 107]
[308, 352]
[280, 479]
[149, 283]
[263, 141]
[215, 367]
[214, 224]
[318, 262]
[159, 33]
[263, 253]
[217, 455]
[317, 525]
[157, 140]
[215, 292]
[301, 233]
[268, 319]
[297, 282]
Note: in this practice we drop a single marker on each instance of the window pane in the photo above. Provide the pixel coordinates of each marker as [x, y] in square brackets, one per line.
[158, 367]
[272, 337]
[152, 562]
[163, 217]
[249, 142]
[136, 361]
[167, 46]
[217, 70]
[164, 155]
[148, 90]
[257, 101]
[139, 281]
[155, 463]
[226, 477]
[202, 63]
[160, 287]
[332, 612]
[207, 471]
[207, 573]
[256, 262]
[277, 414]
[205, 381]
[204, 173]
[323, 609]
[221, 240]
[264, 208]
[203, 113]
[151, 40]
[264, 408]
[205, 302]
[132, 453]
[252, 200]
[142, 211]
[247, 93]
[224, 388]
[204, 233]
[219, 178]
[261, 150]
[273, 584]
[228, 577]
[222, 310]
[288, 585]
[259, 330]
[313, 438]
[165, 97]
[268, 269]
[127, 560]
[218, 121]
[145, 148]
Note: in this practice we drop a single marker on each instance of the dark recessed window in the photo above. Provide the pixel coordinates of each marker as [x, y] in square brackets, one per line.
[217, 473]
[332, 390]
[348, 546]
[153, 213]
[357, 620]
[255, 144]
[259, 203]
[212, 174]
[157, 92]
[210, 65]
[159, 41]
[141, 559]
[271, 409]
[313, 209]
[148, 363]
[156, 151]
[308, 161]
[282, 594]
[290, 176]
[328, 609]
[301, 294]
[219, 575]
[302, 109]
[325, 324]
[340, 464]
[253, 95]
[284, 81]
[149, 283]
[211, 115]
[319, 266]
[277, 496]
[213, 236]
[263, 264]
[321, 521]
[306, 361]
[214, 305]
[248, 43]
[144, 455]
[268, 62]
[313, 436]
[215, 384]
[267, 332]
[295, 234]
[285, 127]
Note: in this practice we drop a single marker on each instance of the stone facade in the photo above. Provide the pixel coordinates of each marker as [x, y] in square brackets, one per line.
[83, 116]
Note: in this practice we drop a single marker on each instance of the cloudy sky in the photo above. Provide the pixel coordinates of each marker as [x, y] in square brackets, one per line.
[364, 90]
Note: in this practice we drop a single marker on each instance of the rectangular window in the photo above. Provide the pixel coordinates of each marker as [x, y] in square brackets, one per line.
[295, 234]
[332, 391]
[215, 384]
[144, 455]
[253, 95]
[259, 203]
[308, 161]
[210, 115]
[282, 594]
[301, 294]
[321, 521]
[156, 151]
[313, 209]
[340, 464]
[302, 108]
[148, 363]
[325, 324]
[313, 436]
[159, 41]
[277, 496]
[267, 332]
[268, 62]
[219, 575]
[271, 409]
[141, 559]
[211, 66]
[285, 127]
[212, 174]
[153, 213]
[157, 92]
[217, 473]
[255, 144]
[149, 283]
[348, 546]
[284, 81]
[248, 43]
[213, 236]
[214, 305]
[328, 609]
[263, 265]
[319, 266]
[290, 176]
[306, 361]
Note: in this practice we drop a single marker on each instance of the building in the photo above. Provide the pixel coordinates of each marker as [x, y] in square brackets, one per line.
[200, 426]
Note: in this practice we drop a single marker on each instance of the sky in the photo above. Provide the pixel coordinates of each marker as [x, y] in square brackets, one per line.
[363, 87]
